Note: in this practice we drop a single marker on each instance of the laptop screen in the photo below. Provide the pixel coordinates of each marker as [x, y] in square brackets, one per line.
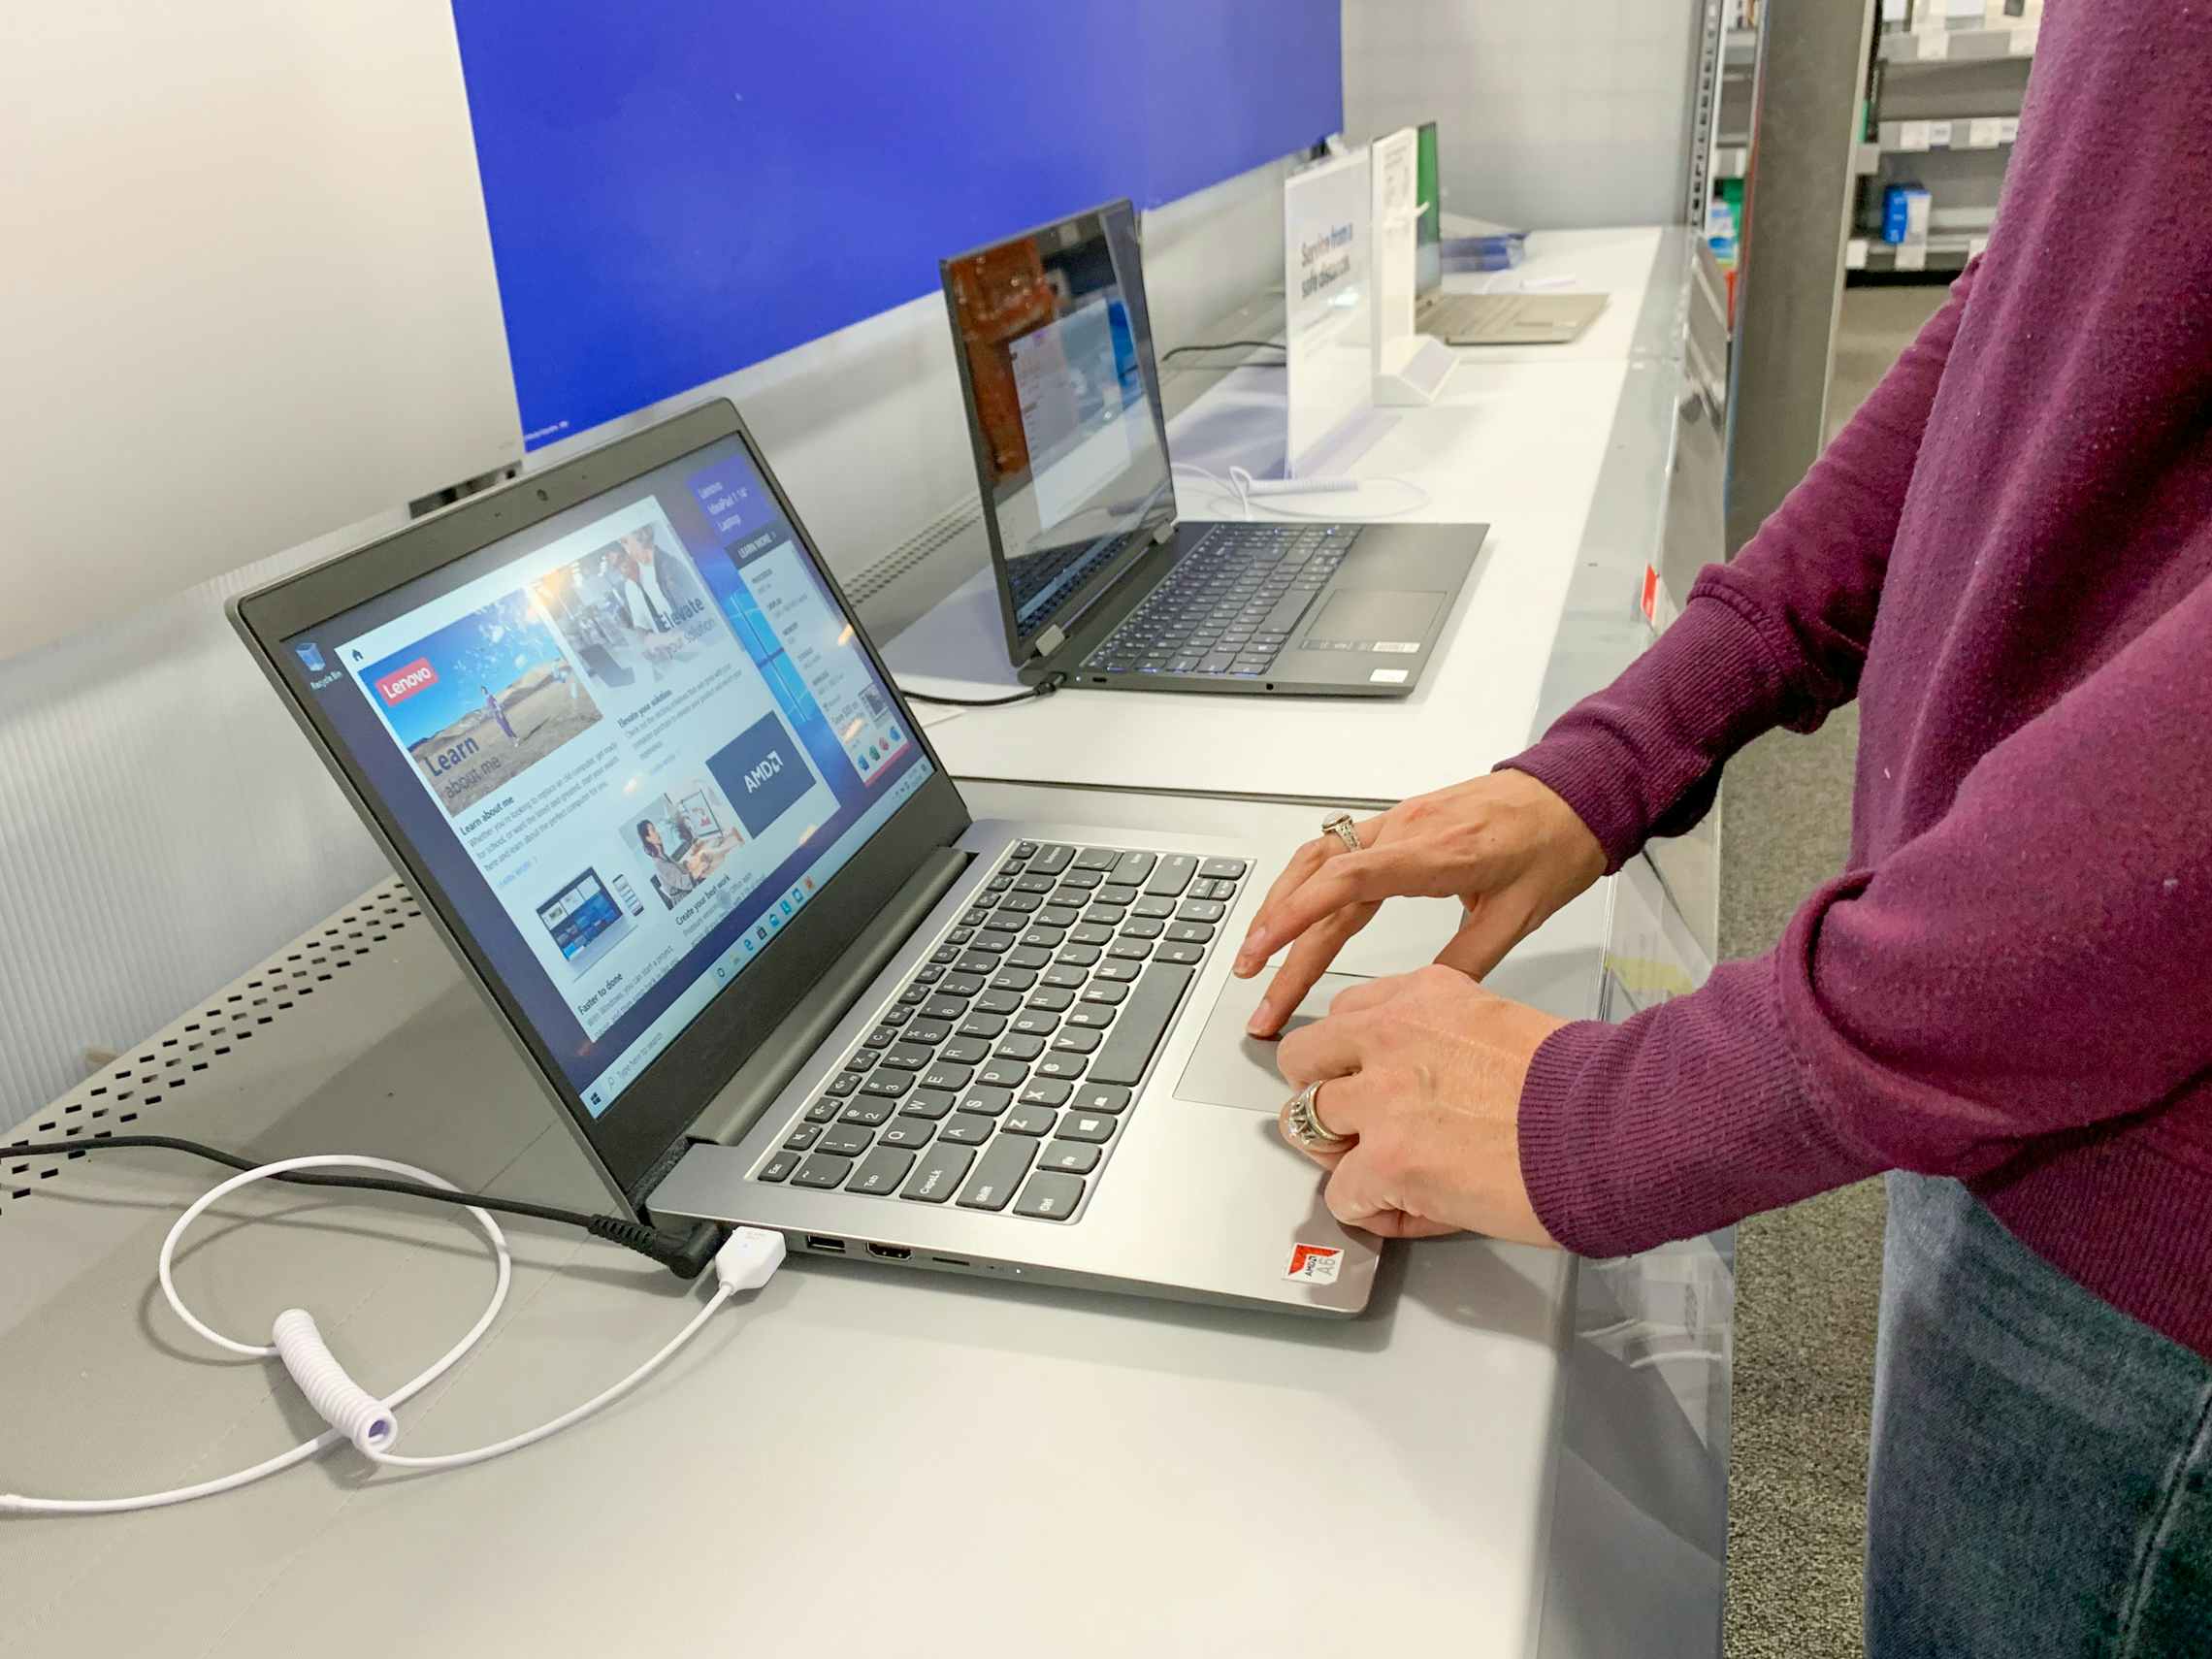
[1056, 354]
[630, 743]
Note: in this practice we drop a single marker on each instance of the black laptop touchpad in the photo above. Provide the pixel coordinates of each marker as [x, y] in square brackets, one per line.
[1374, 618]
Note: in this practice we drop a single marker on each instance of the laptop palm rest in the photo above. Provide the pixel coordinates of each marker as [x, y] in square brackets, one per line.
[1229, 1068]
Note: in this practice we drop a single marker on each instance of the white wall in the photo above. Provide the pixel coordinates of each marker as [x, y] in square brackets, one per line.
[1549, 112]
[163, 824]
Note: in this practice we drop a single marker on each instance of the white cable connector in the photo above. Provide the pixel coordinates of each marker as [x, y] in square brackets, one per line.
[1250, 491]
[746, 1261]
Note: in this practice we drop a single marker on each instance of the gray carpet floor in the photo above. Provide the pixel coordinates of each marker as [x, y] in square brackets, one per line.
[1808, 1278]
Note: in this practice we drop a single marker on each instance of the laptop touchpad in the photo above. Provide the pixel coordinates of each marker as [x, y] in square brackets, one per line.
[1360, 617]
[1231, 1070]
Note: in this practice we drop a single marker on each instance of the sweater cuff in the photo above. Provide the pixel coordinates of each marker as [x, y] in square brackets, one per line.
[1688, 1117]
[1626, 757]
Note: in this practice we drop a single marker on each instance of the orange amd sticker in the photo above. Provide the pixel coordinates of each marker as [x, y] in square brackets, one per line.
[1316, 1264]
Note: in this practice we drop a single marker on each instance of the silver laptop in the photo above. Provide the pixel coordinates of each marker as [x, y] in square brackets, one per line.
[1100, 583]
[623, 733]
[1481, 319]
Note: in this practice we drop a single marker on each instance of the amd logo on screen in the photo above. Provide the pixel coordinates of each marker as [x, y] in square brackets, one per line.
[761, 772]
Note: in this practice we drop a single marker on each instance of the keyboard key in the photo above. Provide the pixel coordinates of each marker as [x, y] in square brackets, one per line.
[800, 1138]
[1051, 860]
[1052, 999]
[997, 1002]
[1062, 1065]
[938, 1174]
[1131, 868]
[1117, 972]
[1082, 880]
[896, 1015]
[867, 1109]
[1029, 957]
[944, 1008]
[1210, 888]
[1020, 1046]
[985, 1100]
[1082, 1126]
[1024, 849]
[1115, 892]
[1216, 664]
[965, 1050]
[1047, 1093]
[844, 1083]
[886, 1167]
[1077, 1041]
[995, 941]
[823, 1111]
[1092, 1016]
[1222, 869]
[1013, 979]
[1143, 1022]
[1191, 932]
[882, 1037]
[1050, 1196]
[1000, 1172]
[1002, 1074]
[914, 996]
[1179, 953]
[864, 1060]
[977, 961]
[1030, 1120]
[961, 985]
[1025, 903]
[984, 1025]
[823, 1171]
[1112, 995]
[1201, 910]
[909, 1056]
[965, 1129]
[1096, 858]
[1036, 1023]
[953, 1077]
[1152, 908]
[1035, 884]
[1078, 957]
[1107, 1097]
[1011, 921]
[908, 1132]
[1077, 1157]
[1090, 934]
[779, 1166]
[888, 1085]
[926, 1103]
[1045, 939]
[1059, 916]
[1142, 927]
[846, 1140]
[1065, 976]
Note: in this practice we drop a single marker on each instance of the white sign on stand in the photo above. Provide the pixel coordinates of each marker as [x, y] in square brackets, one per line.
[1328, 340]
[1410, 366]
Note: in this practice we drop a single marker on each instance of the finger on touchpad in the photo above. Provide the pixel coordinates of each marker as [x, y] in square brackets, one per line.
[1229, 1068]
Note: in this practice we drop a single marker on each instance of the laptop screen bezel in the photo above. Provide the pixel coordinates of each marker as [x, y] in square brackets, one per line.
[1019, 643]
[631, 1140]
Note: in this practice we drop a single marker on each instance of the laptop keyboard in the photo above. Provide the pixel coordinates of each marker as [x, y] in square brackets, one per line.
[1231, 604]
[1002, 1076]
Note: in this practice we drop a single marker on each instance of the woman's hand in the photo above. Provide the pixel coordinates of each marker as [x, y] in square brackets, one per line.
[1423, 1074]
[1509, 849]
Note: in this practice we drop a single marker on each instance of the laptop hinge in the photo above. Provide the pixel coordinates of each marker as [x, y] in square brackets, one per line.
[788, 1048]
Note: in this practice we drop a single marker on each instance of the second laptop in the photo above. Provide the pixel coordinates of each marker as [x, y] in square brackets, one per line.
[1101, 584]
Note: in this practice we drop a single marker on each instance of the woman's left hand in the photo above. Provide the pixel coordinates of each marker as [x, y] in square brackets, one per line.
[1423, 1072]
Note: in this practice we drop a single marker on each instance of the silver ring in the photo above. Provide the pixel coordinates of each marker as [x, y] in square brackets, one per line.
[1338, 824]
[1305, 1122]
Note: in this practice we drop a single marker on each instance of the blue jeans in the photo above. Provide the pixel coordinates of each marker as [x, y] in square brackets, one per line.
[2041, 1478]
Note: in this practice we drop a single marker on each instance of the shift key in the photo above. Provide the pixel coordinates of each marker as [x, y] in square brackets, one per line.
[991, 1186]
[1143, 1022]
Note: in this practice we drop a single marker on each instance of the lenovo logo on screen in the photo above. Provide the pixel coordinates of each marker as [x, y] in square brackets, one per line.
[403, 683]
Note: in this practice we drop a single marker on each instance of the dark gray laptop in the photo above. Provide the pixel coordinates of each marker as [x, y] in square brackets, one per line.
[622, 733]
[1100, 583]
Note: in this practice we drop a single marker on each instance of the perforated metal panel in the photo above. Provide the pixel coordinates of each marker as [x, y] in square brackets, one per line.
[128, 1096]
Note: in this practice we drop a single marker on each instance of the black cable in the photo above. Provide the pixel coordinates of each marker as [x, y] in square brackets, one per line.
[684, 1253]
[1233, 345]
[1050, 684]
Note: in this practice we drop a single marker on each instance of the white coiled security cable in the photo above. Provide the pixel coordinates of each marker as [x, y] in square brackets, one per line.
[745, 1263]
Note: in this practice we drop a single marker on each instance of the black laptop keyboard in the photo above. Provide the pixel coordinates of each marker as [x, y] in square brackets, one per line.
[1002, 1075]
[1231, 604]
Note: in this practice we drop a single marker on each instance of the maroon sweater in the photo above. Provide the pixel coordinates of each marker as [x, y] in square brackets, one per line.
[2006, 557]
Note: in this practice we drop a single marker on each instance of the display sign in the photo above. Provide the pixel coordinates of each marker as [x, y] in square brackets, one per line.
[1329, 329]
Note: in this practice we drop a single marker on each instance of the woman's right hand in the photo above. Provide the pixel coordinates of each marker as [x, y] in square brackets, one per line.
[1508, 848]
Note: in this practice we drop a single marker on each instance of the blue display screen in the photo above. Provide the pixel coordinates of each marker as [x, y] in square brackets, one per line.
[677, 192]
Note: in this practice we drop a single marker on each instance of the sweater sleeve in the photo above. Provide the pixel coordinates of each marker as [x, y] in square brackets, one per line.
[1775, 638]
[2025, 972]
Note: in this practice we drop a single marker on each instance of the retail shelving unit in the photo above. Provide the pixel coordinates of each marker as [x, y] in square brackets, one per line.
[1943, 109]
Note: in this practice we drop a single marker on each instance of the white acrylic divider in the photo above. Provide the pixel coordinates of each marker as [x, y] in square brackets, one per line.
[1516, 446]
[1410, 366]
